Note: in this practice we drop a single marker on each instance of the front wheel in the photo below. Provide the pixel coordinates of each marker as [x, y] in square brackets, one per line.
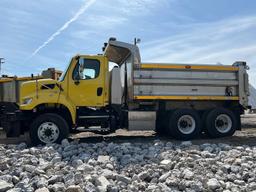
[48, 128]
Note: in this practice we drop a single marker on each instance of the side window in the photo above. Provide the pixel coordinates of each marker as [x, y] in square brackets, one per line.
[86, 69]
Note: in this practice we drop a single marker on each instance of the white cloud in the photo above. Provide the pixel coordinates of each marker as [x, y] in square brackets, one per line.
[114, 18]
[130, 8]
[103, 21]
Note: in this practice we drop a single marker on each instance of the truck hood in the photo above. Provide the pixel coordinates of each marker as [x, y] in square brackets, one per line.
[34, 88]
[40, 82]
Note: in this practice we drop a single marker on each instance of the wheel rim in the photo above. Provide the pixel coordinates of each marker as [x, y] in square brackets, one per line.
[48, 132]
[223, 123]
[186, 124]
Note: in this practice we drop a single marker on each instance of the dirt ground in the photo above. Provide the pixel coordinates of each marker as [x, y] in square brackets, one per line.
[245, 137]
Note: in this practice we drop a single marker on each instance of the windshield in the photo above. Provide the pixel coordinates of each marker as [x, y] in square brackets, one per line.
[62, 77]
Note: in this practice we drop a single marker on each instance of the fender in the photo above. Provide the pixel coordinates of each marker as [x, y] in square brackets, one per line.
[62, 101]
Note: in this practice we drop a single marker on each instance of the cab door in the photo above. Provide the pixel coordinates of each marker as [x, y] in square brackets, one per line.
[87, 81]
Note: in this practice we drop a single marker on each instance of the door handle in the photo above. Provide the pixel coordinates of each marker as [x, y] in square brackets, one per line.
[99, 91]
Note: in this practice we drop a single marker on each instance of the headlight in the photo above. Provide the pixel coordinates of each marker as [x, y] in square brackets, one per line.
[27, 101]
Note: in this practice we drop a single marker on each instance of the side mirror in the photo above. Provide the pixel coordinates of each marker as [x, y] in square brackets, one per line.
[77, 79]
[79, 72]
[81, 61]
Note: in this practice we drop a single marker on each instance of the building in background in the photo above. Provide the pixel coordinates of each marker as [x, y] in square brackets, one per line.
[52, 73]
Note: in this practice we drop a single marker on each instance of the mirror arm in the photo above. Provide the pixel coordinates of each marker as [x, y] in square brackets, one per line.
[77, 57]
[77, 82]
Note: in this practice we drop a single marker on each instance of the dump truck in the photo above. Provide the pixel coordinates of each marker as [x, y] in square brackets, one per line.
[176, 100]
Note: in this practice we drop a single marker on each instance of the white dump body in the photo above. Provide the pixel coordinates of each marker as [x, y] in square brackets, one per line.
[163, 81]
[191, 82]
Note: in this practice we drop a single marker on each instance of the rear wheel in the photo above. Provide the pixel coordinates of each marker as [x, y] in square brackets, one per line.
[184, 124]
[48, 128]
[221, 122]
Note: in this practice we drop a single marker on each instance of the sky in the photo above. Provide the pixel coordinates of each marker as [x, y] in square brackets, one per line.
[35, 35]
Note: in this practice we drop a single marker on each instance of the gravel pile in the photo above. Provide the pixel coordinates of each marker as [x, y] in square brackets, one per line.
[156, 166]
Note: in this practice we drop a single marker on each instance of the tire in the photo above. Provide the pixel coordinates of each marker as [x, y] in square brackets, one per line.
[184, 124]
[48, 124]
[221, 122]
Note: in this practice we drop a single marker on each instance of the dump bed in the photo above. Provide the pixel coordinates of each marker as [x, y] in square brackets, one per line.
[191, 82]
[162, 81]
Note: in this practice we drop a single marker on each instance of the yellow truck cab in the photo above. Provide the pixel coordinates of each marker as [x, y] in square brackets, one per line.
[180, 100]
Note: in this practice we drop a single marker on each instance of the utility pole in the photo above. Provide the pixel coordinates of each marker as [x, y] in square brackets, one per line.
[1, 62]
